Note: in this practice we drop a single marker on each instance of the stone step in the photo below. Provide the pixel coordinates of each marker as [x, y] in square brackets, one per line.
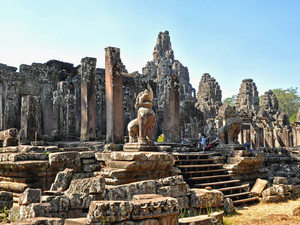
[206, 171]
[237, 195]
[210, 177]
[199, 166]
[240, 201]
[194, 160]
[234, 188]
[34, 165]
[217, 183]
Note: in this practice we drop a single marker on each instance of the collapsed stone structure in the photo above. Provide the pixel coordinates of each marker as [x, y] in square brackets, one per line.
[54, 105]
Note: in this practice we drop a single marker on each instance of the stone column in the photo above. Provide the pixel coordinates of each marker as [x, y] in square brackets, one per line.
[47, 109]
[114, 96]
[88, 99]
[31, 117]
[171, 110]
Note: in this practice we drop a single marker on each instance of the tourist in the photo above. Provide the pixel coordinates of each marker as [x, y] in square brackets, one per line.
[209, 146]
[203, 141]
[247, 145]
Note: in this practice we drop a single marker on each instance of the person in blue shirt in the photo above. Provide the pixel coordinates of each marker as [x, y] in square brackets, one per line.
[203, 141]
[247, 145]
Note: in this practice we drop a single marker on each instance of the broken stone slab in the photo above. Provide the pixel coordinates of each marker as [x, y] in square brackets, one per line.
[35, 210]
[92, 185]
[126, 191]
[214, 218]
[109, 211]
[201, 198]
[153, 208]
[259, 186]
[60, 204]
[62, 180]
[280, 180]
[6, 200]
[145, 196]
[9, 137]
[113, 211]
[12, 187]
[65, 160]
[30, 196]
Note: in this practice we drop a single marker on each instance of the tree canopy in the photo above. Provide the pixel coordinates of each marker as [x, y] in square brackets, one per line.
[230, 100]
[289, 101]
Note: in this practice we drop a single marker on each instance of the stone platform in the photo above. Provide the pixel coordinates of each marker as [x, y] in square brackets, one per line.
[136, 147]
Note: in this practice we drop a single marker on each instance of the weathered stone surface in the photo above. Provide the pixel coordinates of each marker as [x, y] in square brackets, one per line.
[228, 206]
[280, 180]
[176, 190]
[6, 199]
[183, 202]
[65, 160]
[35, 210]
[276, 193]
[214, 218]
[142, 209]
[209, 96]
[247, 100]
[30, 196]
[109, 211]
[259, 186]
[92, 185]
[125, 192]
[201, 198]
[9, 137]
[62, 180]
[42, 221]
[80, 221]
[83, 201]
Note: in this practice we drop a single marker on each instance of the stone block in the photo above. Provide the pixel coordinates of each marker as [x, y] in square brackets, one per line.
[80, 221]
[30, 196]
[87, 186]
[126, 191]
[91, 168]
[280, 180]
[109, 211]
[214, 218]
[83, 201]
[259, 186]
[89, 161]
[153, 208]
[6, 199]
[65, 160]
[87, 155]
[35, 210]
[60, 204]
[228, 206]
[62, 180]
[183, 202]
[201, 198]
[43, 221]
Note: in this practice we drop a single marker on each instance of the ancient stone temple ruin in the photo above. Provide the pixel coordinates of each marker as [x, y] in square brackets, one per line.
[79, 144]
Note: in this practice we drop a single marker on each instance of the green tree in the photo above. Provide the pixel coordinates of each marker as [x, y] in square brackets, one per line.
[230, 100]
[288, 100]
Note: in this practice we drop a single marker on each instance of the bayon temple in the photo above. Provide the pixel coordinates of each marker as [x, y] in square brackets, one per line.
[79, 144]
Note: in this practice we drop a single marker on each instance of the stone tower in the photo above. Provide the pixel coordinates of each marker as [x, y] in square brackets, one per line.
[247, 100]
[269, 106]
[209, 96]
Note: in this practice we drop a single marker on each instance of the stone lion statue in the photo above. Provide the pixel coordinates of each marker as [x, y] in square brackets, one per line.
[142, 126]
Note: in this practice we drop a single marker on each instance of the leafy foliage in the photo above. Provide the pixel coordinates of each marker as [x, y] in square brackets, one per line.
[288, 100]
[230, 100]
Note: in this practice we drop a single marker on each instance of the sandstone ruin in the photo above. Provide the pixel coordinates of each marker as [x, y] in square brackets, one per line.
[78, 144]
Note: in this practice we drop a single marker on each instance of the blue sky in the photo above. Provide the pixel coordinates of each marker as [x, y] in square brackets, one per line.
[231, 40]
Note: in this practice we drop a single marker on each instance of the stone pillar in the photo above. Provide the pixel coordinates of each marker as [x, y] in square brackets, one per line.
[47, 109]
[88, 99]
[114, 95]
[31, 117]
[171, 110]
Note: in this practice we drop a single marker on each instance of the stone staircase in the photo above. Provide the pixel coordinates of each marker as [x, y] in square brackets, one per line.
[200, 170]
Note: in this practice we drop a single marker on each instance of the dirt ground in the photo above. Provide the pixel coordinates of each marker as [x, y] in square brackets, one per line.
[266, 214]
